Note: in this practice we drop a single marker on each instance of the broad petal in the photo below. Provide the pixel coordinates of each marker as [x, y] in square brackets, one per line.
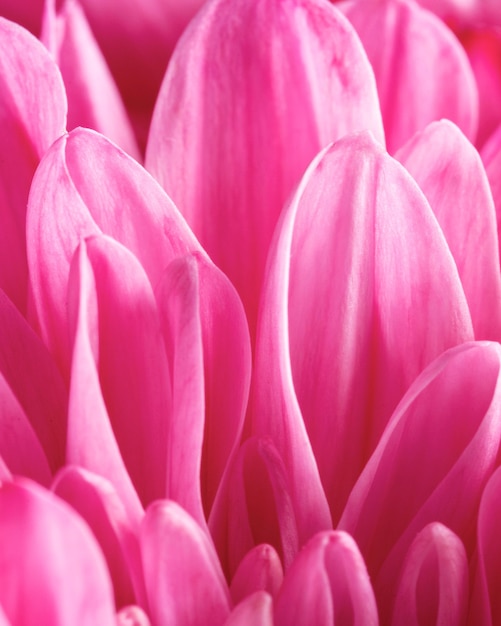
[176, 552]
[448, 426]
[32, 116]
[450, 173]
[327, 584]
[251, 94]
[52, 569]
[433, 586]
[255, 609]
[85, 185]
[352, 311]
[422, 72]
[259, 570]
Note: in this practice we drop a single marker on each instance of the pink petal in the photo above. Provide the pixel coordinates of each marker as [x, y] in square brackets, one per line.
[52, 571]
[259, 570]
[27, 13]
[207, 341]
[422, 72]
[352, 311]
[93, 97]
[327, 584]
[85, 185]
[119, 370]
[448, 426]
[450, 173]
[5, 474]
[132, 616]
[32, 116]
[183, 577]
[491, 157]
[95, 499]
[433, 586]
[251, 94]
[254, 507]
[256, 609]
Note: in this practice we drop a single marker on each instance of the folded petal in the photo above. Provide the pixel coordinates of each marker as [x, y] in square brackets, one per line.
[448, 426]
[450, 173]
[184, 581]
[256, 609]
[433, 586]
[52, 570]
[422, 72]
[352, 311]
[327, 584]
[32, 116]
[251, 94]
[259, 570]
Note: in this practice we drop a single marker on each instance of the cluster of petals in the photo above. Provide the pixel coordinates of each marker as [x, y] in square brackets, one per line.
[250, 313]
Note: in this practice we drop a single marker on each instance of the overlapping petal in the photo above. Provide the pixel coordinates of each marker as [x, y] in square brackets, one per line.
[259, 570]
[255, 609]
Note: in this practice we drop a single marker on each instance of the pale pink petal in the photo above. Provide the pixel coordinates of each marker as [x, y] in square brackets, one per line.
[95, 499]
[254, 506]
[256, 609]
[119, 370]
[491, 157]
[207, 341]
[4, 471]
[432, 462]
[32, 116]
[259, 570]
[251, 94]
[132, 616]
[433, 586]
[422, 72]
[51, 568]
[93, 97]
[352, 311]
[450, 173]
[327, 584]
[86, 185]
[184, 581]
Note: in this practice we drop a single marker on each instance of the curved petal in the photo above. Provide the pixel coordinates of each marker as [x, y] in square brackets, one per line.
[259, 570]
[491, 157]
[352, 311]
[255, 609]
[433, 586]
[176, 552]
[450, 173]
[327, 584]
[422, 72]
[52, 570]
[251, 94]
[132, 616]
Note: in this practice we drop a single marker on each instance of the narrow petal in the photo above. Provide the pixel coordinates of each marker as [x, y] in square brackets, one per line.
[450, 173]
[352, 311]
[259, 570]
[422, 72]
[251, 94]
[433, 586]
[491, 157]
[256, 609]
[52, 570]
[183, 577]
[328, 584]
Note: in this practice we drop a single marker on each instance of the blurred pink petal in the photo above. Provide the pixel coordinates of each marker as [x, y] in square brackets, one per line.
[433, 586]
[184, 581]
[93, 97]
[448, 426]
[327, 584]
[259, 570]
[255, 609]
[491, 157]
[119, 370]
[450, 173]
[32, 116]
[422, 72]
[251, 94]
[52, 571]
[28, 13]
[132, 616]
[352, 301]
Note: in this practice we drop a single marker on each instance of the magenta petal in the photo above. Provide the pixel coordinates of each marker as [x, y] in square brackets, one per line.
[433, 586]
[32, 116]
[255, 609]
[351, 312]
[422, 72]
[251, 94]
[52, 571]
[327, 584]
[85, 185]
[259, 570]
[96, 501]
[183, 576]
[450, 173]
[118, 353]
